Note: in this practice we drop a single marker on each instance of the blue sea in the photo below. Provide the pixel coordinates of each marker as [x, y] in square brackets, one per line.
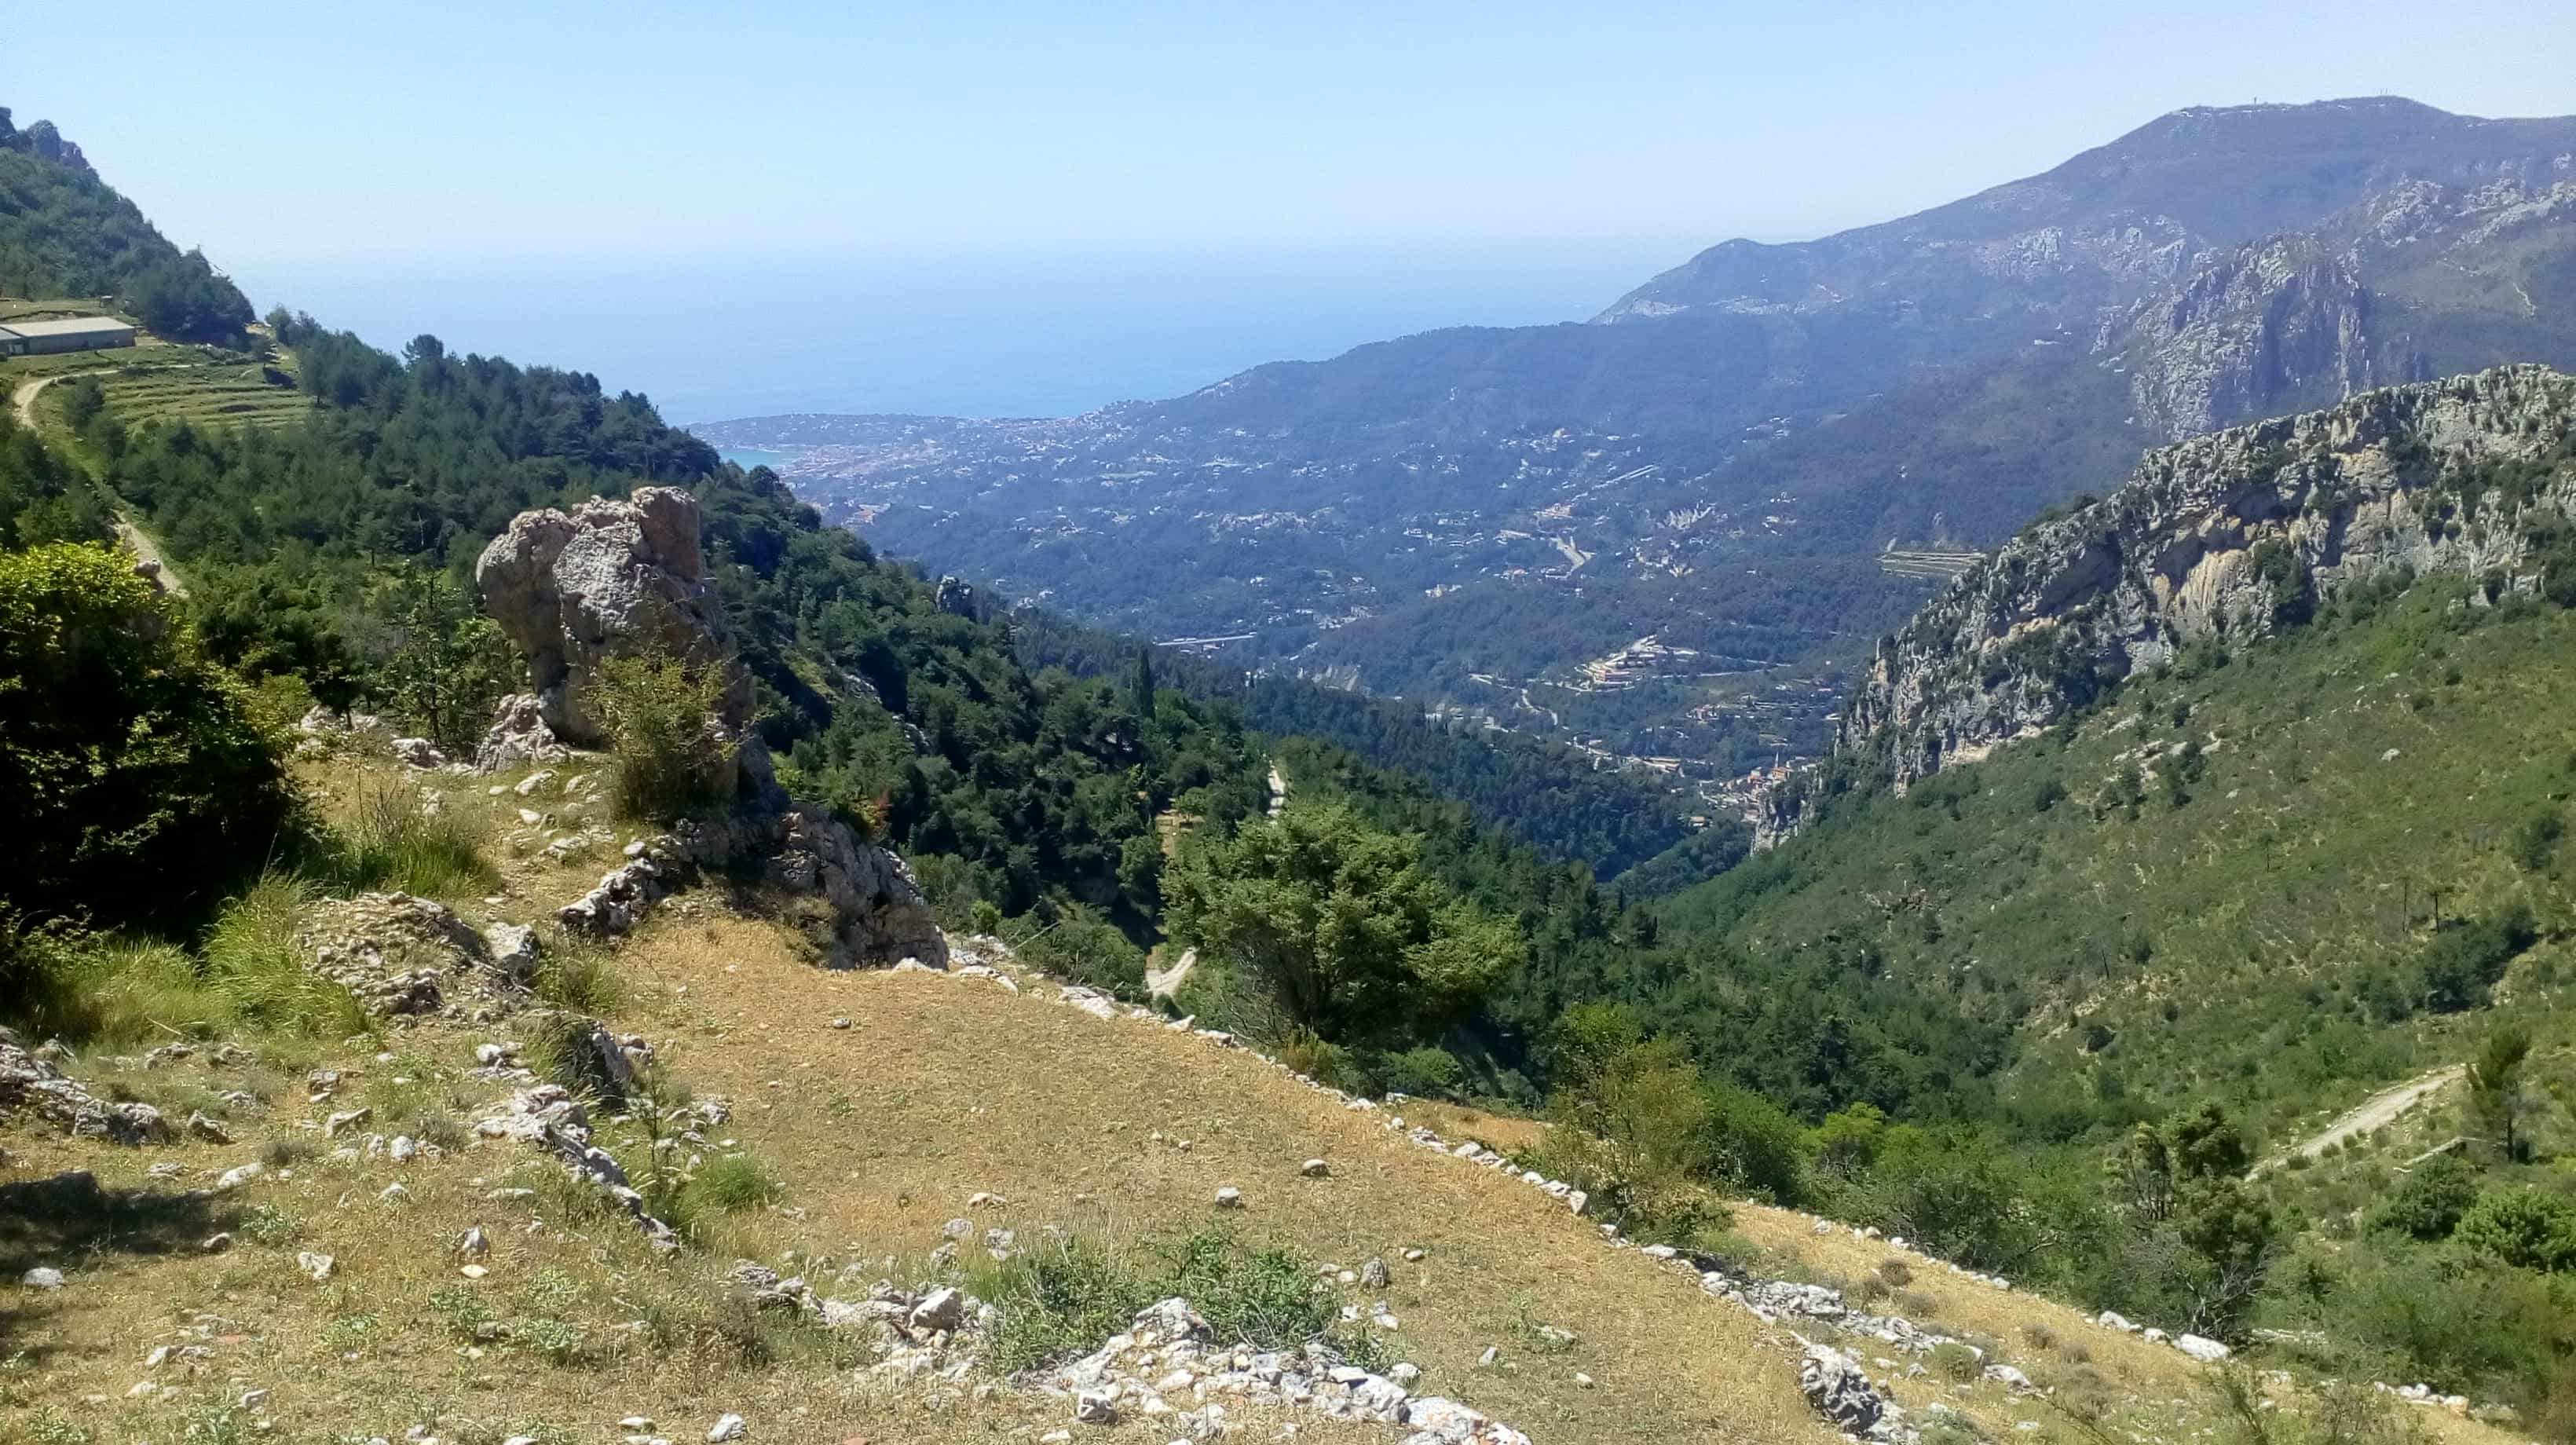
[1026, 334]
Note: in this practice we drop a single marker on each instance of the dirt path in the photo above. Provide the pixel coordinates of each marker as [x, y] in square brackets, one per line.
[147, 550]
[23, 400]
[2379, 1109]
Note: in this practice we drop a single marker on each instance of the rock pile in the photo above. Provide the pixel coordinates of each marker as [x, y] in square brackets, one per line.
[30, 1082]
[404, 957]
[548, 1117]
[1168, 1366]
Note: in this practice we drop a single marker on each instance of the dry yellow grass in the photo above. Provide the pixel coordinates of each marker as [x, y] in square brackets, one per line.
[946, 1087]
[940, 1088]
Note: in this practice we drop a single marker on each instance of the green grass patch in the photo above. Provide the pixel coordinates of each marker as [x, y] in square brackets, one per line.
[390, 844]
[1063, 1297]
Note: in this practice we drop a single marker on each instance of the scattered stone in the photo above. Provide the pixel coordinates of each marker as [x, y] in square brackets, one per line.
[1315, 1169]
[1229, 1197]
[2201, 1348]
[345, 1119]
[512, 950]
[1487, 1359]
[473, 1244]
[1413, 1256]
[983, 1199]
[253, 1399]
[941, 1309]
[1834, 1383]
[315, 1266]
[1582, 1381]
[42, 1277]
[1095, 1407]
[393, 1194]
[216, 1243]
[728, 1426]
[200, 1126]
[236, 1177]
[1373, 1274]
[840, 1023]
[472, 1271]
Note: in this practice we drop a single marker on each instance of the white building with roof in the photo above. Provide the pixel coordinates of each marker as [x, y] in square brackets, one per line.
[74, 333]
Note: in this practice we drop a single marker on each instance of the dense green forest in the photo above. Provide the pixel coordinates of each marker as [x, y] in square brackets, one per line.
[1561, 801]
[64, 233]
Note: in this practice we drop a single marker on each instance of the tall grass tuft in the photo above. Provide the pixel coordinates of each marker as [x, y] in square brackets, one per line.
[576, 976]
[252, 961]
[390, 844]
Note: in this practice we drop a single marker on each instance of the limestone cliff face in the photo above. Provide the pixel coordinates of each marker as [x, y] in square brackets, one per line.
[2387, 291]
[2226, 536]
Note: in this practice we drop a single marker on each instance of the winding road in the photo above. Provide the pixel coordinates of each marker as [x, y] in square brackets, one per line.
[22, 403]
[2382, 1108]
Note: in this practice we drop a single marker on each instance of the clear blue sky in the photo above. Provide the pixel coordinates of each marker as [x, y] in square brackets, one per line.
[1597, 141]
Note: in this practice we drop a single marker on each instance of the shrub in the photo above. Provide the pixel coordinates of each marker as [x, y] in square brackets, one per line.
[670, 757]
[1088, 949]
[132, 777]
[1954, 1361]
[1896, 1272]
[2524, 1227]
[1429, 1072]
[2429, 1203]
[1066, 1296]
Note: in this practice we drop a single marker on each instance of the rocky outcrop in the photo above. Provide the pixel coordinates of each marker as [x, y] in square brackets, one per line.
[627, 578]
[2226, 537]
[611, 578]
[873, 909]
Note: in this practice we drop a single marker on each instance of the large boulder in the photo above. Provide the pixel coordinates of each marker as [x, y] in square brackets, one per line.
[611, 578]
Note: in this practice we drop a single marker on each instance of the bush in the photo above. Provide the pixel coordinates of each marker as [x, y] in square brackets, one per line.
[1954, 1361]
[1427, 1072]
[133, 780]
[2525, 1227]
[2429, 1204]
[1087, 949]
[670, 757]
[1064, 1297]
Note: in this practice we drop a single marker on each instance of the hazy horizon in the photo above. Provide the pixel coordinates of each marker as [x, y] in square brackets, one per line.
[1077, 330]
[1052, 209]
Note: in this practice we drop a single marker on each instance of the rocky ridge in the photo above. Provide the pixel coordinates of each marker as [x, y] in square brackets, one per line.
[2225, 538]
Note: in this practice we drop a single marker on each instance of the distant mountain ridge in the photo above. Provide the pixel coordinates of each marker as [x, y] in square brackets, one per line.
[1490, 520]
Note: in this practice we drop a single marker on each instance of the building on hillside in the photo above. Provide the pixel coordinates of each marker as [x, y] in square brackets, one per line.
[77, 333]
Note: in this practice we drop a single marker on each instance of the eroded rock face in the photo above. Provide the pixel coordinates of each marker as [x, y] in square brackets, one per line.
[2228, 537]
[609, 579]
